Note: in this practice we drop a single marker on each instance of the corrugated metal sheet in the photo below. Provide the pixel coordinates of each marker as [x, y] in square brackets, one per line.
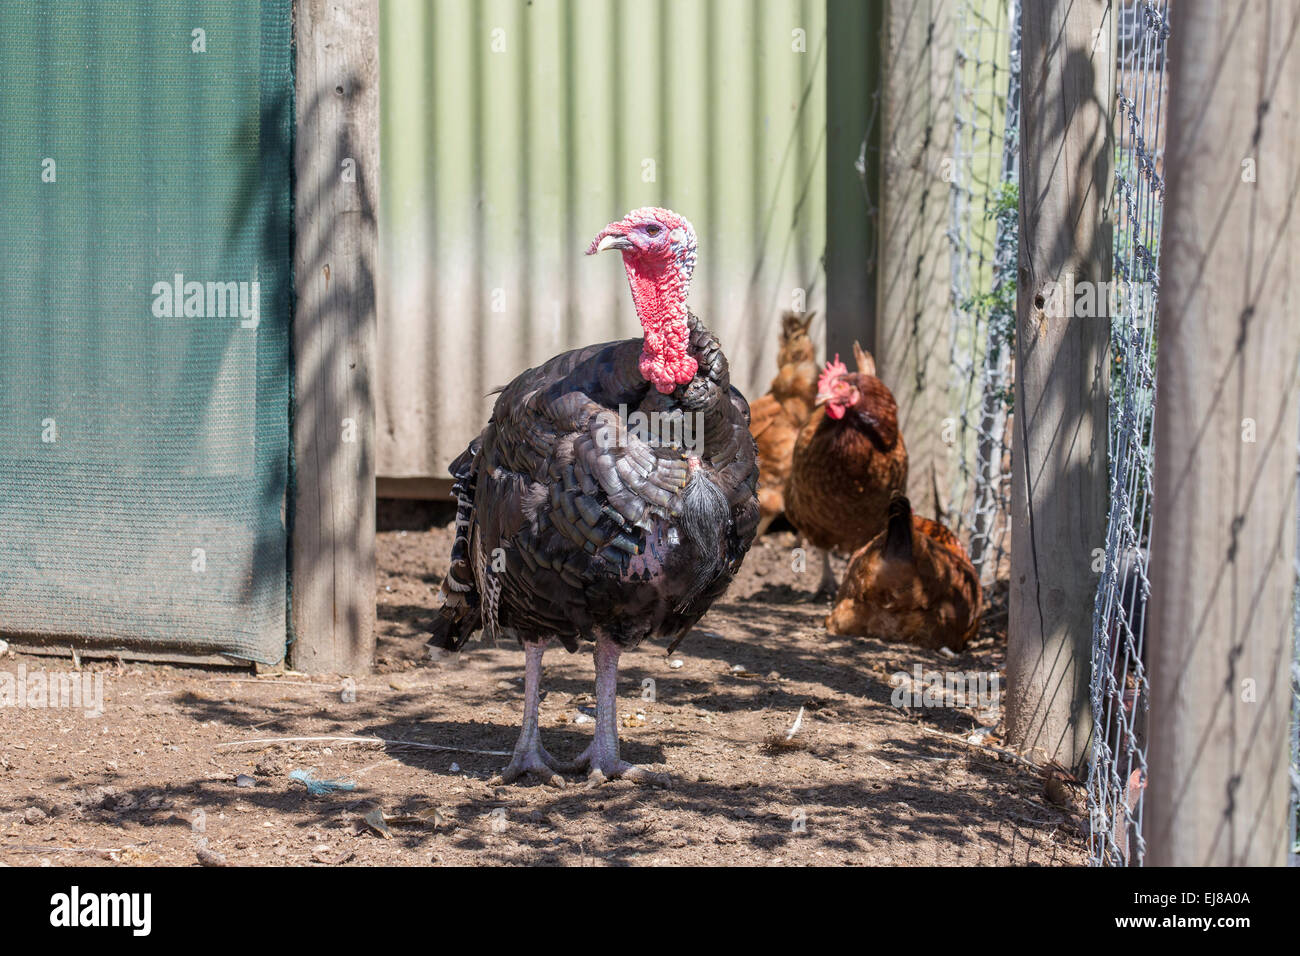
[514, 131]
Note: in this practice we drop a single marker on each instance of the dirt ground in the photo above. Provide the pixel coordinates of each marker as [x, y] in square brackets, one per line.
[163, 778]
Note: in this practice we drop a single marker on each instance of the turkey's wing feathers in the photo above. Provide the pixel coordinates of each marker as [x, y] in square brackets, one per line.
[566, 500]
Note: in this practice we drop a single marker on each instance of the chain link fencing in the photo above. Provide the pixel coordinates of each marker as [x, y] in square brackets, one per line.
[1120, 690]
[1294, 855]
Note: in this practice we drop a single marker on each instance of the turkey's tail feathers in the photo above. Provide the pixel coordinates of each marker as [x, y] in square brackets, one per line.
[704, 520]
[460, 615]
[453, 627]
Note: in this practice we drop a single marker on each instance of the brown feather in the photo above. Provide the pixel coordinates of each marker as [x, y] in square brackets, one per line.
[929, 596]
[844, 472]
[777, 416]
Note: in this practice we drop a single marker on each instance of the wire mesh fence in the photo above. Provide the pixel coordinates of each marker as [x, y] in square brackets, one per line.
[983, 233]
[1294, 855]
[1120, 692]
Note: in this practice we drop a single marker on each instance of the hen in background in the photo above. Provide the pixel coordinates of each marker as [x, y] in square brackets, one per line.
[776, 417]
[913, 583]
[849, 461]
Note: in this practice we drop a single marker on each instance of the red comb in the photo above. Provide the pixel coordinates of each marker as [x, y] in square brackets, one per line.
[834, 370]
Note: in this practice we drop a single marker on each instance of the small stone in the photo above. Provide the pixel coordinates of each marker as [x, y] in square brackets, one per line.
[244, 780]
[454, 768]
[676, 663]
[584, 719]
[33, 815]
[1058, 792]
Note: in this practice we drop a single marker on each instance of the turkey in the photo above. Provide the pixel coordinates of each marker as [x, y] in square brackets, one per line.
[611, 497]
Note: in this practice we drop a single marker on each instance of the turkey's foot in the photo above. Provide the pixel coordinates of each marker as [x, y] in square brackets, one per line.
[603, 763]
[600, 759]
[530, 757]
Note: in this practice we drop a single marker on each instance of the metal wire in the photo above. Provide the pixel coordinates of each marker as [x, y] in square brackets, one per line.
[1120, 691]
[1294, 855]
[983, 237]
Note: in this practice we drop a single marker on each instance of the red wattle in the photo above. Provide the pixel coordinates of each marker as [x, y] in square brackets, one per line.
[660, 305]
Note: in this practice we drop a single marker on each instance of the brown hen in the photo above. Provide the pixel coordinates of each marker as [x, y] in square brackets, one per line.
[913, 583]
[775, 418]
[849, 461]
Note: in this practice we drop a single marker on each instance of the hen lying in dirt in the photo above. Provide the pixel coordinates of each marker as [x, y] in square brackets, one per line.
[849, 460]
[913, 584]
[775, 418]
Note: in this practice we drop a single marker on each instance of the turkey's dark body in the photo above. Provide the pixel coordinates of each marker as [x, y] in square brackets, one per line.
[571, 525]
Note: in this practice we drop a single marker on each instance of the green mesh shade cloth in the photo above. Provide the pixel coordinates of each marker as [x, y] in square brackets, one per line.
[145, 242]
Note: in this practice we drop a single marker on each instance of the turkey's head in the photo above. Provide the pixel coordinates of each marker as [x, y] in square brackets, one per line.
[658, 248]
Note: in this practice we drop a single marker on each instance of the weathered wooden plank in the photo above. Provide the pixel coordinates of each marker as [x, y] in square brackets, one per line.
[62, 648]
[336, 158]
[1223, 551]
[1059, 476]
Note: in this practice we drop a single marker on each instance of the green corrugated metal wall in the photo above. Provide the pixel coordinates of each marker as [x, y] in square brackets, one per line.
[514, 131]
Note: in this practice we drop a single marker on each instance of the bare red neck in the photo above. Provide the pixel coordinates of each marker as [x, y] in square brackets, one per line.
[659, 293]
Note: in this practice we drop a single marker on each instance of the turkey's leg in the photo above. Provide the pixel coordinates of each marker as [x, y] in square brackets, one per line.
[530, 756]
[601, 758]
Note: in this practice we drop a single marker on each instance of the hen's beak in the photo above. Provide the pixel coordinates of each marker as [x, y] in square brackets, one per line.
[822, 399]
[615, 241]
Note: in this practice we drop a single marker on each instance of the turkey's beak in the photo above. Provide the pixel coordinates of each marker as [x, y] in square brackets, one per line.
[615, 241]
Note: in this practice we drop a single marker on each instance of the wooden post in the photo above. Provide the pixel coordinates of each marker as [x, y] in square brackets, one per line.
[913, 288]
[1225, 440]
[336, 158]
[852, 194]
[1059, 477]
